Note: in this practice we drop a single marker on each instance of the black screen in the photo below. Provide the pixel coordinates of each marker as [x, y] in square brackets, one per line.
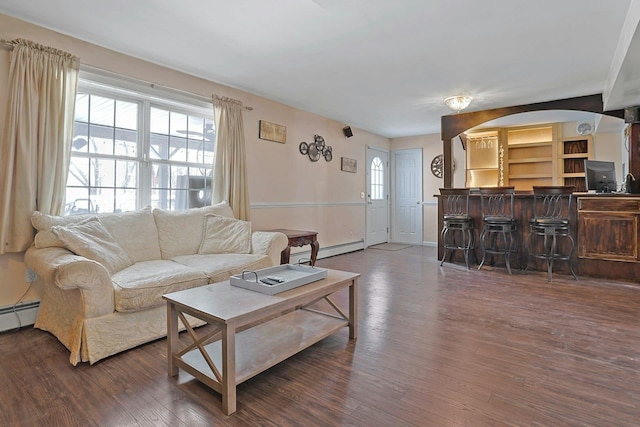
[600, 176]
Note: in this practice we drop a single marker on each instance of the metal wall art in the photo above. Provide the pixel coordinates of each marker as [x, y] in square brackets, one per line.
[316, 149]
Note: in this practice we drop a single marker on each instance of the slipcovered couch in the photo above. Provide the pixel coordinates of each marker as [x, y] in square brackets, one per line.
[102, 276]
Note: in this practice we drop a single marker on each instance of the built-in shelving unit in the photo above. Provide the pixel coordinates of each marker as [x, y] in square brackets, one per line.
[573, 153]
[531, 156]
[526, 156]
[482, 159]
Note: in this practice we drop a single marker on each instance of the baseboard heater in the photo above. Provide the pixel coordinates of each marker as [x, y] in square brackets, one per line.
[14, 317]
[343, 248]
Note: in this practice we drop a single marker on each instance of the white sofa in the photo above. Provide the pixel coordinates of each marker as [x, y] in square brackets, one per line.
[102, 276]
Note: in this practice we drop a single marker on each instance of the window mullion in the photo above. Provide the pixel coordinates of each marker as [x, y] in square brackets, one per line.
[145, 145]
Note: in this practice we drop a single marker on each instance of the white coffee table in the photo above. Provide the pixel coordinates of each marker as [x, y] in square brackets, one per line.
[233, 352]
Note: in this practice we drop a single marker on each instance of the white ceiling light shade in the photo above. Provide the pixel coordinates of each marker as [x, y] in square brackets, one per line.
[458, 103]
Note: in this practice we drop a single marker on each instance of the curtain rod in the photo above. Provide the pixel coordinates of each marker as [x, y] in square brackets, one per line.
[6, 44]
[11, 44]
[102, 71]
[235, 101]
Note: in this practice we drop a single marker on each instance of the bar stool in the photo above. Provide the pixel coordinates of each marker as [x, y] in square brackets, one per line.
[498, 221]
[457, 230]
[551, 207]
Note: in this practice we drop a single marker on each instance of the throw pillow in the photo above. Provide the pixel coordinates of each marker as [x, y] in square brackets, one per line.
[43, 223]
[180, 232]
[91, 239]
[223, 235]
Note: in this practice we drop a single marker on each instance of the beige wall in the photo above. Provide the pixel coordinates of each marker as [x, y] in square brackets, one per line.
[609, 147]
[287, 190]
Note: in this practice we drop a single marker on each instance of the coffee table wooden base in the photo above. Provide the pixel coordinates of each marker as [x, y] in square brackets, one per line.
[224, 358]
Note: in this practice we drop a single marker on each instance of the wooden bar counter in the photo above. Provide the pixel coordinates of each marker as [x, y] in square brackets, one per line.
[605, 227]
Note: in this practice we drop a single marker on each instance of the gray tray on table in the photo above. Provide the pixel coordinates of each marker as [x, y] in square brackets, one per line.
[285, 277]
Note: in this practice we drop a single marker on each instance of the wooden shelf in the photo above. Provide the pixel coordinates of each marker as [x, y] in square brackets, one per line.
[531, 144]
[575, 156]
[573, 152]
[531, 160]
[531, 156]
[530, 176]
[265, 345]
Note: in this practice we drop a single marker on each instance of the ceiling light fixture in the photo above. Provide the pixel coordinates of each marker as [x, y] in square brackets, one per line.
[458, 103]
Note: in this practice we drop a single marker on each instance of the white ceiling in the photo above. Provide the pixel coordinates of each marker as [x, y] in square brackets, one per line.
[380, 65]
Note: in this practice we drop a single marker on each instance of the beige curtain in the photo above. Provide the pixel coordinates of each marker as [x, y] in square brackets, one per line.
[230, 168]
[36, 138]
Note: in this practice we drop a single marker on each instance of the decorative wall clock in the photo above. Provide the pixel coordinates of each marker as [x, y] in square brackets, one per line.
[437, 166]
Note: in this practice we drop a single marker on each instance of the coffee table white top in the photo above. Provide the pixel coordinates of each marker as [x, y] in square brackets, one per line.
[226, 303]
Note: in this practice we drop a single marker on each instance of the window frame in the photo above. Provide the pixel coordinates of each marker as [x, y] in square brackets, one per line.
[146, 96]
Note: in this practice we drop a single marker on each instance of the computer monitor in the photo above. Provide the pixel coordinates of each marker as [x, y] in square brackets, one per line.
[600, 176]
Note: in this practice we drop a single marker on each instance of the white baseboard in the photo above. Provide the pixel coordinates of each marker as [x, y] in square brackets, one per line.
[21, 315]
[327, 252]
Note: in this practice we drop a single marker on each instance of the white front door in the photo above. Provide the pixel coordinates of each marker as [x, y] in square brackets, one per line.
[377, 177]
[407, 200]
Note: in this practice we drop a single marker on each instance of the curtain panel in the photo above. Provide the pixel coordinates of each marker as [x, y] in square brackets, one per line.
[36, 138]
[230, 165]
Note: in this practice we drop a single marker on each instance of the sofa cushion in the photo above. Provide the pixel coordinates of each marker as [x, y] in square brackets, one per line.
[180, 232]
[225, 236]
[91, 239]
[142, 284]
[136, 232]
[43, 222]
[220, 266]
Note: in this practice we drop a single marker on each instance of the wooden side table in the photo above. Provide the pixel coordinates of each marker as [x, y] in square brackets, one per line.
[299, 238]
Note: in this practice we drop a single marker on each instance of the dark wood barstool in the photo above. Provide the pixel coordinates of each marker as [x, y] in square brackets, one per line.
[551, 207]
[497, 204]
[457, 231]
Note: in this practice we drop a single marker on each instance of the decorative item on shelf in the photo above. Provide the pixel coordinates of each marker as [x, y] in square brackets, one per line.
[316, 149]
[458, 103]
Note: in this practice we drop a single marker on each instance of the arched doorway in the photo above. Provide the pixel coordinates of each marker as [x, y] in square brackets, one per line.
[454, 125]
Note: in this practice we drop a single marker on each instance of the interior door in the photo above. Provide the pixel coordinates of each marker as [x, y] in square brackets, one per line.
[407, 196]
[377, 177]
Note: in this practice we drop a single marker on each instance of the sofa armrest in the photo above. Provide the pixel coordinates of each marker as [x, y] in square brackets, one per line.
[59, 267]
[270, 243]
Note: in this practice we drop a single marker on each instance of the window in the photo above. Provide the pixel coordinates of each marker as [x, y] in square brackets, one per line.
[377, 179]
[131, 150]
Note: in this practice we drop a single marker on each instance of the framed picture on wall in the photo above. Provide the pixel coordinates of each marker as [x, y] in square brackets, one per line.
[272, 132]
[348, 165]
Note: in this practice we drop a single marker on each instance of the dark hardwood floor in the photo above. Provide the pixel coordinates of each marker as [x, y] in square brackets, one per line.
[437, 346]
